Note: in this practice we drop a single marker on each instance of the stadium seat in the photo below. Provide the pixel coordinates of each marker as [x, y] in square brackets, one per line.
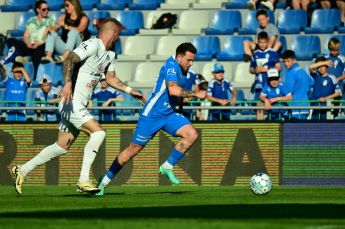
[113, 5]
[292, 21]
[124, 71]
[30, 101]
[146, 74]
[177, 4]
[207, 46]
[233, 48]
[29, 67]
[151, 18]
[89, 4]
[324, 21]
[55, 5]
[208, 68]
[282, 39]
[55, 15]
[137, 48]
[131, 114]
[132, 20]
[341, 38]
[118, 47]
[94, 16]
[236, 4]
[166, 47]
[251, 24]
[243, 79]
[225, 22]
[17, 5]
[306, 47]
[192, 22]
[208, 4]
[144, 4]
[21, 22]
[53, 70]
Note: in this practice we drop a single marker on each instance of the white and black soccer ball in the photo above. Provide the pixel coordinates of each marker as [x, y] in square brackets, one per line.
[260, 184]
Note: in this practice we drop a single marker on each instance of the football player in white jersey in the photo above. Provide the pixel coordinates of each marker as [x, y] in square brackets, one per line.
[82, 70]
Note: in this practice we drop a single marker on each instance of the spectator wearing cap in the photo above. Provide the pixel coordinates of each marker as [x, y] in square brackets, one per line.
[106, 96]
[220, 93]
[273, 94]
[325, 87]
[47, 96]
[16, 90]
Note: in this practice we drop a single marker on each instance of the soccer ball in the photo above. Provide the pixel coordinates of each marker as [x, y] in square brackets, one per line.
[260, 184]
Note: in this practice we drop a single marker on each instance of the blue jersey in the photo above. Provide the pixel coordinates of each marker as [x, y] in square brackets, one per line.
[15, 89]
[267, 58]
[324, 86]
[298, 83]
[160, 102]
[273, 92]
[220, 90]
[40, 96]
[102, 95]
[338, 67]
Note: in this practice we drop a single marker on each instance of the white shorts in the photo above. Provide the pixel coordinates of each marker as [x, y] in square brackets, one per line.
[73, 116]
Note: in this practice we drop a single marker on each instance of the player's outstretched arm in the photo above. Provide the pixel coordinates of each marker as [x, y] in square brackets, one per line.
[175, 90]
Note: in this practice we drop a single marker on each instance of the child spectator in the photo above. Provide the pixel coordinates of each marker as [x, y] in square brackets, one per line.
[272, 94]
[325, 86]
[47, 96]
[219, 90]
[16, 89]
[192, 84]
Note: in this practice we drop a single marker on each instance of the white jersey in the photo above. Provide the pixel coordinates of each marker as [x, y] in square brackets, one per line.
[95, 61]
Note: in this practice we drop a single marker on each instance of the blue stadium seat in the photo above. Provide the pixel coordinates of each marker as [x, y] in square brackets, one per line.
[341, 38]
[236, 4]
[324, 21]
[292, 21]
[145, 4]
[207, 46]
[53, 70]
[306, 47]
[225, 22]
[30, 100]
[282, 39]
[132, 20]
[251, 24]
[233, 48]
[20, 28]
[55, 5]
[111, 5]
[17, 5]
[29, 67]
[89, 4]
[93, 17]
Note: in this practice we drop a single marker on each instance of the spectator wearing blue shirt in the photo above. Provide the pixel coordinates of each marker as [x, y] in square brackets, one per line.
[298, 83]
[16, 89]
[106, 97]
[219, 91]
[272, 94]
[325, 86]
[192, 84]
[47, 96]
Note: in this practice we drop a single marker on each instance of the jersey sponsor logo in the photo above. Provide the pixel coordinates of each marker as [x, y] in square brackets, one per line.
[171, 71]
[92, 84]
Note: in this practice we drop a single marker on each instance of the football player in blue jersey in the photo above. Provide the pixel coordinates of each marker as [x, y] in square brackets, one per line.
[159, 114]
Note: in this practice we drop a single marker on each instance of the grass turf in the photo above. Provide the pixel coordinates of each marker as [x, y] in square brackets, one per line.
[173, 207]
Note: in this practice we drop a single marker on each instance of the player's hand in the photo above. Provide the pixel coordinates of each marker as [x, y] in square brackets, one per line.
[139, 96]
[201, 94]
[66, 92]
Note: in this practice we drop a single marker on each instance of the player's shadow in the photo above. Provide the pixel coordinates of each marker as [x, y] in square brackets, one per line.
[233, 211]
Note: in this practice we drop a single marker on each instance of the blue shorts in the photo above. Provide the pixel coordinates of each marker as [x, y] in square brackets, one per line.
[147, 127]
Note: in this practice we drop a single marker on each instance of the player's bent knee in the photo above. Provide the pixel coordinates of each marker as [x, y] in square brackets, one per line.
[192, 135]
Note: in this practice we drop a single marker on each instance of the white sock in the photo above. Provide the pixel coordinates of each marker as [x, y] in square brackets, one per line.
[167, 165]
[105, 180]
[45, 155]
[90, 152]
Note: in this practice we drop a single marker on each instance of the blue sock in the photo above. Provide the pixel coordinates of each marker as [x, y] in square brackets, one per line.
[175, 157]
[114, 169]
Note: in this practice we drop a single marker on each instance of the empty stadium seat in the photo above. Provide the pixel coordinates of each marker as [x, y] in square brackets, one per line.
[137, 48]
[282, 40]
[292, 21]
[144, 4]
[124, 71]
[341, 38]
[324, 21]
[89, 4]
[151, 18]
[233, 48]
[243, 78]
[208, 68]
[177, 4]
[21, 23]
[146, 74]
[251, 24]
[94, 16]
[53, 70]
[55, 5]
[192, 22]
[166, 47]
[306, 47]
[208, 4]
[236, 4]
[132, 20]
[207, 46]
[113, 5]
[17, 5]
[225, 22]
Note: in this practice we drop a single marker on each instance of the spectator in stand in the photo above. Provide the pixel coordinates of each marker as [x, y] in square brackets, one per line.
[16, 89]
[47, 97]
[301, 4]
[219, 90]
[34, 38]
[192, 84]
[298, 83]
[341, 6]
[74, 25]
[264, 25]
[106, 96]
[325, 87]
[261, 4]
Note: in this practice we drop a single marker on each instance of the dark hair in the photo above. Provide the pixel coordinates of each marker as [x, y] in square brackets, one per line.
[288, 54]
[261, 12]
[184, 47]
[263, 36]
[17, 65]
[320, 59]
[38, 5]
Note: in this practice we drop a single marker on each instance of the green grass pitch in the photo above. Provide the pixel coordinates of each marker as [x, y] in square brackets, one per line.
[173, 207]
